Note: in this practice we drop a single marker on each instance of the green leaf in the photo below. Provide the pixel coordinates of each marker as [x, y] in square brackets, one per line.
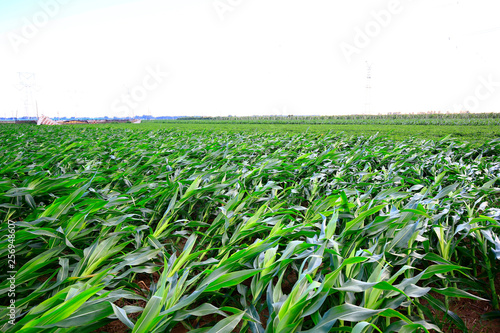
[231, 279]
[454, 292]
[149, 317]
[228, 324]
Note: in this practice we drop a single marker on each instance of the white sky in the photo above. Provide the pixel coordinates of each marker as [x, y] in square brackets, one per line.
[264, 57]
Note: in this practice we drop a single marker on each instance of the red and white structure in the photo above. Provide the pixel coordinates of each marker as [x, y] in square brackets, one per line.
[43, 120]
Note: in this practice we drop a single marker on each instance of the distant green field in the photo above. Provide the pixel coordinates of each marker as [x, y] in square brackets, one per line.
[469, 133]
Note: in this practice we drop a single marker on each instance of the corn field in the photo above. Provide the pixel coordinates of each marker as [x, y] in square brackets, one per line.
[430, 119]
[213, 231]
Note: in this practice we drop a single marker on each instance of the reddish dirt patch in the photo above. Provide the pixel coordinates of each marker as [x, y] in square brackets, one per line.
[115, 326]
[471, 311]
[289, 281]
[179, 329]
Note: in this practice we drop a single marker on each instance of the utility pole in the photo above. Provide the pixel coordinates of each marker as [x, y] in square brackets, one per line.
[74, 101]
[368, 101]
[131, 114]
[27, 83]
